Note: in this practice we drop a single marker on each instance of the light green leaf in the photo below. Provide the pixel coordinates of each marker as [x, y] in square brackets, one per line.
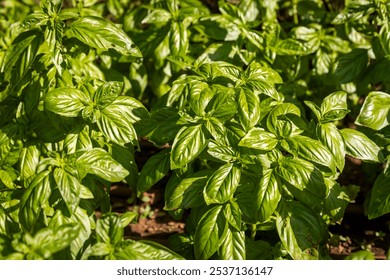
[258, 138]
[189, 142]
[375, 112]
[102, 35]
[67, 102]
[358, 145]
[107, 93]
[285, 120]
[334, 107]
[291, 47]
[330, 136]
[248, 108]
[144, 250]
[97, 161]
[34, 199]
[153, 171]
[109, 229]
[310, 149]
[222, 184]
[233, 246]
[211, 230]
[267, 195]
[303, 180]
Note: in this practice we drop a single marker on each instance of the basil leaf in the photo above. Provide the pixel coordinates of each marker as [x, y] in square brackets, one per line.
[330, 136]
[301, 230]
[336, 202]
[267, 195]
[351, 65]
[102, 35]
[375, 112]
[303, 180]
[259, 139]
[186, 193]
[379, 201]
[285, 121]
[107, 94]
[97, 161]
[248, 108]
[221, 186]
[34, 200]
[189, 142]
[310, 149]
[153, 171]
[211, 230]
[143, 250]
[334, 107]
[66, 102]
[360, 146]
[233, 246]
[109, 229]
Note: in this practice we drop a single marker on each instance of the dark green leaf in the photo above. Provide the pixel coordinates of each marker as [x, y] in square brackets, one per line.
[153, 171]
[301, 230]
[379, 201]
[351, 65]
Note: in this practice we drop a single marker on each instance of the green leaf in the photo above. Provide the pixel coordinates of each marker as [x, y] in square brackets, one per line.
[222, 152]
[375, 112]
[301, 230]
[291, 47]
[259, 139]
[144, 250]
[66, 102]
[314, 108]
[178, 38]
[358, 145]
[248, 108]
[18, 59]
[334, 107]
[303, 180]
[331, 137]
[233, 246]
[310, 149]
[233, 215]
[29, 160]
[70, 189]
[267, 195]
[153, 171]
[97, 161]
[109, 229]
[211, 230]
[34, 200]
[189, 142]
[186, 193]
[49, 240]
[222, 184]
[336, 202]
[379, 201]
[361, 255]
[351, 65]
[285, 121]
[102, 35]
[199, 96]
[107, 93]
